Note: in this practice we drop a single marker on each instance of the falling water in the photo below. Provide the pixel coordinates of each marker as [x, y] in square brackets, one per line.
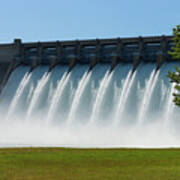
[169, 106]
[86, 102]
[12, 85]
[64, 103]
[82, 85]
[37, 92]
[57, 95]
[18, 94]
[99, 97]
[124, 95]
[147, 95]
[79, 97]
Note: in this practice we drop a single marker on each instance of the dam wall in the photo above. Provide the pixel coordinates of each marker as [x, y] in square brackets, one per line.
[112, 51]
[90, 93]
[8, 52]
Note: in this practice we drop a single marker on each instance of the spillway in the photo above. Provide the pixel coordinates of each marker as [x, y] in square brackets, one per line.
[84, 107]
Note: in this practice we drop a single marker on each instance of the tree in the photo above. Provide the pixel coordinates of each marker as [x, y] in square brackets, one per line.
[175, 76]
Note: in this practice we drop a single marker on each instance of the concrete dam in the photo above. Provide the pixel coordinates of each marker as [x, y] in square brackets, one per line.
[88, 93]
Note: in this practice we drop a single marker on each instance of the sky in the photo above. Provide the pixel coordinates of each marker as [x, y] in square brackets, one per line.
[51, 20]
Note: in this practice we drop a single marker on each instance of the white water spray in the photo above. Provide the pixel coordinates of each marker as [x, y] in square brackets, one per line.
[37, 92]
[151, 83]
[61, 102]
[81, 86]
[100, 93]
[57, 96]
[169, 105]
[124, 95]
[18, 94]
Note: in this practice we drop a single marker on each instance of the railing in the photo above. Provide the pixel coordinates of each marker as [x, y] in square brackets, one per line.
[148, 49]
[125, 50]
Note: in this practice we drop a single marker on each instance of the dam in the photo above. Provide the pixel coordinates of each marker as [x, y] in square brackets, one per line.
[88, 93]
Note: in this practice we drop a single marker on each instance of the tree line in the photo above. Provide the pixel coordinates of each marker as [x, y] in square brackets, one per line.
[175, 76]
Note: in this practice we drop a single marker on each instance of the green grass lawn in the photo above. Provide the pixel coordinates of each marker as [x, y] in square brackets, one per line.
[90, 164]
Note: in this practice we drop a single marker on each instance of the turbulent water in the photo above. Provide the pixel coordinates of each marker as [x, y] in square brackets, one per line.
[90, 108]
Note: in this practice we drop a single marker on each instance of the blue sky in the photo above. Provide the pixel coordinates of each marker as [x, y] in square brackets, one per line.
[47, 20]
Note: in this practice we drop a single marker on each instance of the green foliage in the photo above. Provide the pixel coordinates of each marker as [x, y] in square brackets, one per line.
[175, 76]
[175, 53]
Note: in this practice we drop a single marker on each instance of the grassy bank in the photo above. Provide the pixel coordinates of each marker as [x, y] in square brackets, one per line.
[90, 164]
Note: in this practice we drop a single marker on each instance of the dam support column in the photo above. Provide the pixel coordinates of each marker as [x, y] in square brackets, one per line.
[93, 61]
[78, 50]
[53, 62]
[5, 71]
[136, 62]
[114, 63]
[10, 58]
[36, 60]
[120, 48]
[118, 56]
[72, 62]
[55, 59]
[163, 53]
[139, 56]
